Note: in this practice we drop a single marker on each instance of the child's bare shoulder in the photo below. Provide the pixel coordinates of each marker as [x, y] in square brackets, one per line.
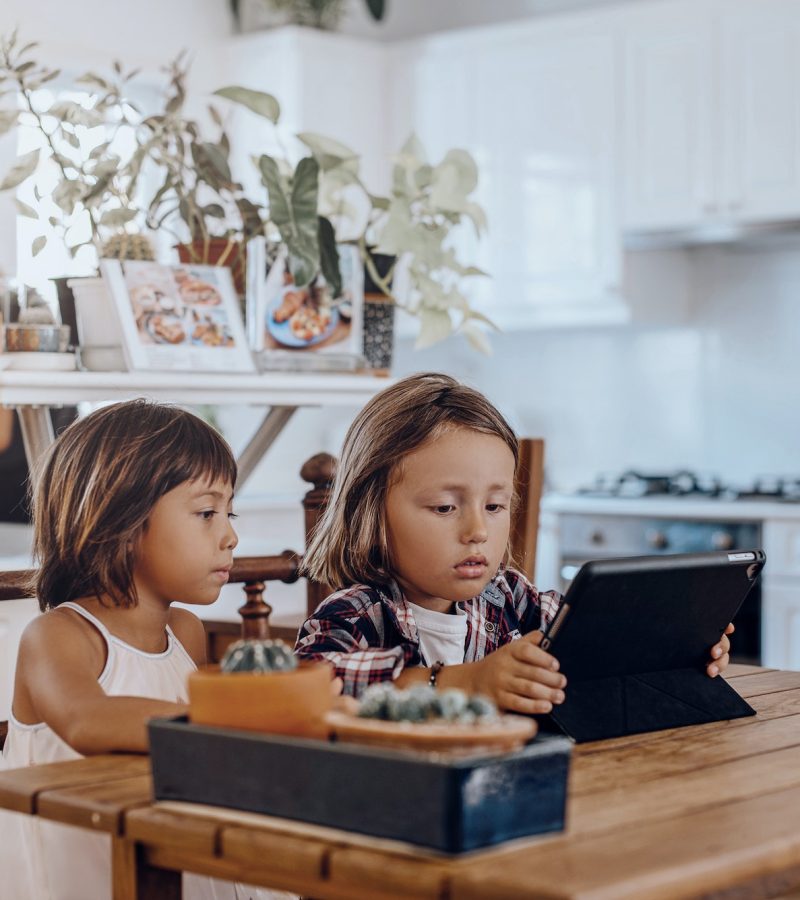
[189, 630]
[58, 628]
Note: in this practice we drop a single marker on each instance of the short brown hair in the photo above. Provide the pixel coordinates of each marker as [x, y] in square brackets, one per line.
[350, 544]
[97, 486]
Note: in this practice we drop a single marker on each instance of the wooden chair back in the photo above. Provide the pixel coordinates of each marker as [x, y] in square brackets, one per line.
[525, 517]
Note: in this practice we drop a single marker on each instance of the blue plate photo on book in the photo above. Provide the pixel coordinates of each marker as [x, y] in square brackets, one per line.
[294, 321]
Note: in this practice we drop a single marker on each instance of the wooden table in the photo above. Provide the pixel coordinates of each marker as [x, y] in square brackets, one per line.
[707, 811]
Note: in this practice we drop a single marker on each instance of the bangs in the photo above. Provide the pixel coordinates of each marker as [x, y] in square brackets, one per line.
[197, 453]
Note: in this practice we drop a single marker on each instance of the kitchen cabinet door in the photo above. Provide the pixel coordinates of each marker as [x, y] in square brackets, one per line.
[761, 105]
[546, 117]
[670, 120]
[781, 623]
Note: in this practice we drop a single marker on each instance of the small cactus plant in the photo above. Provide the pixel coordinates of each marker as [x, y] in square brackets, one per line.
[128, 246]
[422, 703]
[258, 656]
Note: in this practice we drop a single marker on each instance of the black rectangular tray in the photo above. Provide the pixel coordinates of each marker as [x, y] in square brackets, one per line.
[443, 803]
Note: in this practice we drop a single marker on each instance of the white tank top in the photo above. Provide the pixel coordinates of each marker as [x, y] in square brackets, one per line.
[128, 672]
[50, 861]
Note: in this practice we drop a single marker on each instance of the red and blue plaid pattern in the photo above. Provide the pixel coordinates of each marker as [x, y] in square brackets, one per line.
[369, 634]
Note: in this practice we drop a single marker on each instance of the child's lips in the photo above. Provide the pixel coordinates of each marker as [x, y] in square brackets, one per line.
[222, 574]
[472, 567]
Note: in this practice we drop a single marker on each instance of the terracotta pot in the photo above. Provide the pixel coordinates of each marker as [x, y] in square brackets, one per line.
[293, 703]
[218, 252]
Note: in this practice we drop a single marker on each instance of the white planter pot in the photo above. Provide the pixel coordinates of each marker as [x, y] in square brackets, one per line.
[99, 333]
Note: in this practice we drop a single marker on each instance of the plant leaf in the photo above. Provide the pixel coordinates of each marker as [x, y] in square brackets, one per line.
[477, 337]
[24, 210]
[377, 9]
[114, 218]
[8, 119]
[329, 256]
[256, 101]
[38, 245]
[305, 192]
[279, 210]
[435, 325]
[24, 168]
[330, 154]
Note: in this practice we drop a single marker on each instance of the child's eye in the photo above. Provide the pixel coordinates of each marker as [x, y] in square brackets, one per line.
[495, 507]
[207, 514]
[232, 515]
[444, 509]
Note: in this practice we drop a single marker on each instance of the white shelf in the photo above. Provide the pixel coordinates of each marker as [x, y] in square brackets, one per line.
[31, 388]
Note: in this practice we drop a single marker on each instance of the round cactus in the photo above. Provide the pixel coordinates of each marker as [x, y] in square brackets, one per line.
[258, 656]
[128, 246]
[422, 703]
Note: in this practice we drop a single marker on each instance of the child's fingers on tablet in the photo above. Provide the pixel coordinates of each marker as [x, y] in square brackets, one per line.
[535, 690]
[515, 703]
[528, 652]
[538, 674]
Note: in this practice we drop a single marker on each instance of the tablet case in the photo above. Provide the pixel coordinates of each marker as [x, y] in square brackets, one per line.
[633, 638]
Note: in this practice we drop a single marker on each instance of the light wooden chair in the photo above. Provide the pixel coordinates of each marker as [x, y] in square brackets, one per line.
[525, 519]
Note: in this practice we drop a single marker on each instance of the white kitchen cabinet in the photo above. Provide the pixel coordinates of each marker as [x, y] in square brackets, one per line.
[760, 78]
[711, 117]
[781, 594]
[670, 116]
[780, 634]
[535, 103]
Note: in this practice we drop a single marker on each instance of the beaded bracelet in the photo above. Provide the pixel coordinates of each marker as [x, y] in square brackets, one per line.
[435, 669]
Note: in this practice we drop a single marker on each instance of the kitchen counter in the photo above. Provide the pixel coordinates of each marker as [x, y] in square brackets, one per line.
[672, 507]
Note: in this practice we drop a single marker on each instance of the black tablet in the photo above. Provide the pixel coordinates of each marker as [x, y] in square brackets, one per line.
[633, 636]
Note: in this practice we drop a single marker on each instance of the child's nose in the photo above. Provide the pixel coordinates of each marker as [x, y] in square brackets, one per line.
[475, 530]
[230, 538]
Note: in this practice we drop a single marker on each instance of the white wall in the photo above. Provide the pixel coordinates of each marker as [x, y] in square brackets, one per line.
[719, 394]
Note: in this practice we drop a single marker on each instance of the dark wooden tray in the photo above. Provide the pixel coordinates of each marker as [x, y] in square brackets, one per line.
[434, 800]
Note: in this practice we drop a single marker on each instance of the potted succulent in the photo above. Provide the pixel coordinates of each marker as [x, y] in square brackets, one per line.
[260, 686]
[322, 14]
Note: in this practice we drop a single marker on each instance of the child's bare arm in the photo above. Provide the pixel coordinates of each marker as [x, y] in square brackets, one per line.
[57, 671]
[520, 677]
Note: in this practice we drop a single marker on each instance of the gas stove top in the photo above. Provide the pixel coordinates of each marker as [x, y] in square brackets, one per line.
[688, 484]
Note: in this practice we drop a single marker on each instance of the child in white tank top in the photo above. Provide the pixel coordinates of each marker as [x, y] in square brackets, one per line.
[131, 513]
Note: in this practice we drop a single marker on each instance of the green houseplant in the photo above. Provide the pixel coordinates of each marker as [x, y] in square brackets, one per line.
[309, 203]
[323, 14]
[416, 223]
[95, 192]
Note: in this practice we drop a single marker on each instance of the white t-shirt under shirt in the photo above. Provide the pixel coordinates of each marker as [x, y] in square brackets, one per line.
[442, 636]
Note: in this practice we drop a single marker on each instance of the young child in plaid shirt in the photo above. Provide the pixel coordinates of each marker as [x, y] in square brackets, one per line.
[417, 531]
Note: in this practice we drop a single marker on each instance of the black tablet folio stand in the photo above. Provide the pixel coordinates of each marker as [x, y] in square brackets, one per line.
[633, 636]
[629, 704]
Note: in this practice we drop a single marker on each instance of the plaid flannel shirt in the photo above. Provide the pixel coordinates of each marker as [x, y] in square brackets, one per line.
[369, 633]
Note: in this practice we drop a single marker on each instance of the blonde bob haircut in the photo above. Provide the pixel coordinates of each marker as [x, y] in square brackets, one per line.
[97, 487]
[350, 545]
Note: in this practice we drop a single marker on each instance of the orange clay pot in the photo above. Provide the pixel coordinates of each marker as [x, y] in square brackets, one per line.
[293, 703]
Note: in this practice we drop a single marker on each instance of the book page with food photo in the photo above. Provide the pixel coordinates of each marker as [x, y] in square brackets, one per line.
[308, 327]
[183, 317]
